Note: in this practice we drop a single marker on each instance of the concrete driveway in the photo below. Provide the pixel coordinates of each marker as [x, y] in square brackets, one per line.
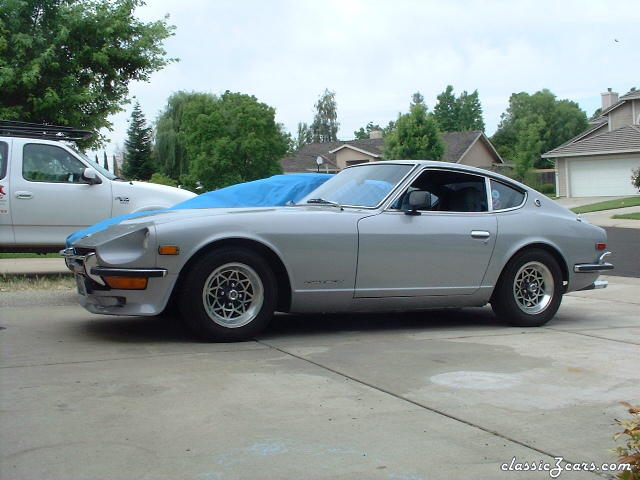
[445, 394]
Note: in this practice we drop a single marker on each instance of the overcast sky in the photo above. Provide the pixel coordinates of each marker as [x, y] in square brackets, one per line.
[375, 54]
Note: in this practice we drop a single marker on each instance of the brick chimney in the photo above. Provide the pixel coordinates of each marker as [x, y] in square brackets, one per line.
[375, 134]
[609, 98]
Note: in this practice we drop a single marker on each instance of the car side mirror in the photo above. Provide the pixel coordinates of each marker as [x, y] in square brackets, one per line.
[418, 199]
[90, 176]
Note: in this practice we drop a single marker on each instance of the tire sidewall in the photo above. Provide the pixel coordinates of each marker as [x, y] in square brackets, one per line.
[503, 302]
[191, 303]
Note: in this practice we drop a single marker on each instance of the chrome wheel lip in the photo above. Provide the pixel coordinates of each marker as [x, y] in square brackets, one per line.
[533, 288]
[232, 295]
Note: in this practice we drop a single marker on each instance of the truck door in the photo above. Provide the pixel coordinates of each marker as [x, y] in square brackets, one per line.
[6, 227]
[50, 200]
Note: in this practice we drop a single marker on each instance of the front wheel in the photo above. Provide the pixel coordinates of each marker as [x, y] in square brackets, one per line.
[228, 295]
[529, 291]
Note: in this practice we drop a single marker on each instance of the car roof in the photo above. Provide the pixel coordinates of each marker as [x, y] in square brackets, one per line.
[449, 165]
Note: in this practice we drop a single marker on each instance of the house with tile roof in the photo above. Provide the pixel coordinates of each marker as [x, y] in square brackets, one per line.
[599, 161]
[469, 148]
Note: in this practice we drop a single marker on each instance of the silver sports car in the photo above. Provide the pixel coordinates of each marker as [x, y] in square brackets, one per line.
[396, 235]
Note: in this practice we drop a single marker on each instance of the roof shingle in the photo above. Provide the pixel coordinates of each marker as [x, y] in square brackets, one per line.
[623, 139]
[304, 160]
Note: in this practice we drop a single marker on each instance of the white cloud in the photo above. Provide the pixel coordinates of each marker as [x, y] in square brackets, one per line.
[375, 54]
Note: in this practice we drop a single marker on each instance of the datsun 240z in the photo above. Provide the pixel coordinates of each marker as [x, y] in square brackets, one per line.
[383, 236]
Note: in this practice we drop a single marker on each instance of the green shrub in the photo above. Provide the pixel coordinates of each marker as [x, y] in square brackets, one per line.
[531, 179]
[548, 188]
[163, 180]
[635, 178]
[629, 452]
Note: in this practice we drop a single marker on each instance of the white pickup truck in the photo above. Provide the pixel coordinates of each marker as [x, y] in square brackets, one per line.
[49, 190]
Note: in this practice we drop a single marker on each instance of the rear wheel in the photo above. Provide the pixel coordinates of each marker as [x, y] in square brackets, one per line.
[228, 295]
[529, 291]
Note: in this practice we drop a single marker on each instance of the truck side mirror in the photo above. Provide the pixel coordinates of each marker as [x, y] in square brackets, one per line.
[90, 176]
[418, 199]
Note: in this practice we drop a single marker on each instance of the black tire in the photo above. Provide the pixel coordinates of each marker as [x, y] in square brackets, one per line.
[249, 302]
[532, 301]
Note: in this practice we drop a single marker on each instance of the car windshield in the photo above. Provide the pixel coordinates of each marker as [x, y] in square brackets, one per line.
[361, 186]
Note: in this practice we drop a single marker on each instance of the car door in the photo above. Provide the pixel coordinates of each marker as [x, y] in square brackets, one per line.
[439, 251]
[49, 198]
[6, 226]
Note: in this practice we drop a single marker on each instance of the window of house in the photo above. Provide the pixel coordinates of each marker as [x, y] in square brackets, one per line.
[48, 163]
[356, 162]
[4, 154]
[450, 192]
[503, 196]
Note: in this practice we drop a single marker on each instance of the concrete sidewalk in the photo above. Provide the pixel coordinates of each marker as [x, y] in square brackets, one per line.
[33, 266]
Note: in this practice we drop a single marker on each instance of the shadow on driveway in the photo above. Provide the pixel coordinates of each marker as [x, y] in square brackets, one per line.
[170, 329]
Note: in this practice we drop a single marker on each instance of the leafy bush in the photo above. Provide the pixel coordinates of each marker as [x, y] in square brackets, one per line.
[548, 188]
[630, 451]
[163, 180]
[635, 178]
[532, 179]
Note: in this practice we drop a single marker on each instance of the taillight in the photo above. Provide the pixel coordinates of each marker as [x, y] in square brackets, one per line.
[601, 246]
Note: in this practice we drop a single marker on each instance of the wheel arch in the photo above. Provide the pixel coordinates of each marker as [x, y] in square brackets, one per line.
[553, 251]
[283, 303]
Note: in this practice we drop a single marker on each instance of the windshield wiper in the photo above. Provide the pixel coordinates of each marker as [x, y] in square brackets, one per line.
[322, 201]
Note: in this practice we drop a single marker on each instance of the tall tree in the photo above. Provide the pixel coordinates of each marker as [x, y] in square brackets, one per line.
[459, 114]
[417, 99]
[69, 62]
[469, 112]
[415, 136]
[231, 139]
[556, 120]
[529, 144]
[325, 122]
[137, 160]
[304, 135]
[446, 110]
[105, 163]
[169, 138]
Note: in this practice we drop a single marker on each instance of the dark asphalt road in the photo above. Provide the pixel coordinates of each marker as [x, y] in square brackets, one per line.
[624, 244]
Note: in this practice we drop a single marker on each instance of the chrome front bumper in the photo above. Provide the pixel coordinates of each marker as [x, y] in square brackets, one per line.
[78, 263]
[594, 267]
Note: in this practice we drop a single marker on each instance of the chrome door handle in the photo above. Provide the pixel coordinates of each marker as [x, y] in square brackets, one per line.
[24, 195]
[482, 234]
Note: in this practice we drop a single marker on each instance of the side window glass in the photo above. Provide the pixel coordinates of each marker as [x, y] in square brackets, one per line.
[4, 153]
[504, 196]
[48, 163]
[450, 192]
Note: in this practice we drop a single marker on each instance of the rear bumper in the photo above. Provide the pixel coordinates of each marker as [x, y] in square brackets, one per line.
[594, 267]
[596, 285]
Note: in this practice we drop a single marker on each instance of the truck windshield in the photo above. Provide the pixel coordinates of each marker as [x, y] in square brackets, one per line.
[103, 171]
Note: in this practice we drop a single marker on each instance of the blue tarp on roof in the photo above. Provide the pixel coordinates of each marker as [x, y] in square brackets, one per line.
[268, 192]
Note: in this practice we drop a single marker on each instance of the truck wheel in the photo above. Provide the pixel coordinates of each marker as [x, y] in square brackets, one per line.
[228, 295]
[529, 291]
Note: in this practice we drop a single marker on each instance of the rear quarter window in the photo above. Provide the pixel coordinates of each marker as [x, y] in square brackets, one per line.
[504, 196]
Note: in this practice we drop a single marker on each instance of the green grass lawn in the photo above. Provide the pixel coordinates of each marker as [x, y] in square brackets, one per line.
[608, 205]
[628, 216]
[29, 255]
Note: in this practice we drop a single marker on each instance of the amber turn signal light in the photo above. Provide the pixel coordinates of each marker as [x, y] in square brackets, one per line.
[168, 250]
[126, 283]
[601, 246]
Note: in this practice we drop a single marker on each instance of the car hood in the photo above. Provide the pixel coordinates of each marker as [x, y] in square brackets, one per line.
[170, 195]
[239, 215]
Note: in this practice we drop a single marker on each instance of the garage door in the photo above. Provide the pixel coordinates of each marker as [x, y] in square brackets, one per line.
[602, 177]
